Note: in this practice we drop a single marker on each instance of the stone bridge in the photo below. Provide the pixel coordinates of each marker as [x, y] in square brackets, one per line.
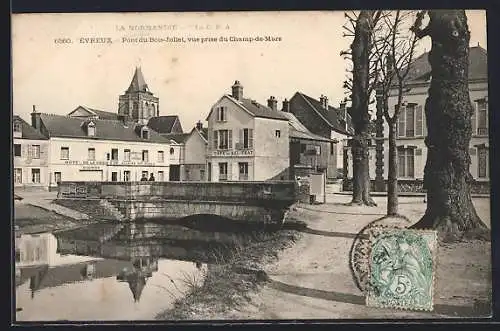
[265, 201]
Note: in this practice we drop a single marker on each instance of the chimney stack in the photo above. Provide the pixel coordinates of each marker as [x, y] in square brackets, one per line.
[272, 103]
[199, 125]
[35, 119]
[237, 90]
[323, 99]
[286, 106]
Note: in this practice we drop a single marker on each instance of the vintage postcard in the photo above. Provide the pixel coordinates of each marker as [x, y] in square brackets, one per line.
[251, 165]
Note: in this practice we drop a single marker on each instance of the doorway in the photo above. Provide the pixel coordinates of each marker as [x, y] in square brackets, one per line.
[175, 173]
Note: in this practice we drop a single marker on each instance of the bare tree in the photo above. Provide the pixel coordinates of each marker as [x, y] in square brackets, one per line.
[362, 27]
[448, 110]
[394, 49]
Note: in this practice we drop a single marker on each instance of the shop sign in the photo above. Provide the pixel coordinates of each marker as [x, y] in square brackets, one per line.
[241, 152]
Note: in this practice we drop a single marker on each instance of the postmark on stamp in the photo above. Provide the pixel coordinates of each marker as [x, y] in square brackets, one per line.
[402, 264]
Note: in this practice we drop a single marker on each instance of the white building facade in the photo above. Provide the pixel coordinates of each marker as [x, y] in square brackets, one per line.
[246, 140]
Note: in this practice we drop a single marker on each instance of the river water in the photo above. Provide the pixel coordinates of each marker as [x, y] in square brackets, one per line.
[108, 271]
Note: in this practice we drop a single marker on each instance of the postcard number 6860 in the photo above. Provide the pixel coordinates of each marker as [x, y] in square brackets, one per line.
[63, 40]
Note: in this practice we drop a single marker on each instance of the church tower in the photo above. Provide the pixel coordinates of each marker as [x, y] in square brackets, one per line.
[138, 103]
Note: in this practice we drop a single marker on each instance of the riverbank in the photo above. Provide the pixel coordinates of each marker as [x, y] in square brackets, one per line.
[230, 280]
[312, 278]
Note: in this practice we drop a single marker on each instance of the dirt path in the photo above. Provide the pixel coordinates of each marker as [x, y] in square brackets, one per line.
[312, 279]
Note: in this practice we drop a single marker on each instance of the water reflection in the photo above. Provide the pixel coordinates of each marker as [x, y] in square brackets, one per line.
[107, 271]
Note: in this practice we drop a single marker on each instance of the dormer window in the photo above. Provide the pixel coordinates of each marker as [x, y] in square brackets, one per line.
[144, 133]
[17, 127]
[91, 129]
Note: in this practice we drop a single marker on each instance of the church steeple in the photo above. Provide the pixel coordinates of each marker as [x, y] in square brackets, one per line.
[138, 103]
[138, 84]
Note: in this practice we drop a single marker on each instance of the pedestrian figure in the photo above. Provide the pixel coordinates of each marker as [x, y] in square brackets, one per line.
[152, 178]
[144, 178]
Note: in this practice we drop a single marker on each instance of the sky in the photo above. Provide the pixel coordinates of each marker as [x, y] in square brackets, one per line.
[188, 77]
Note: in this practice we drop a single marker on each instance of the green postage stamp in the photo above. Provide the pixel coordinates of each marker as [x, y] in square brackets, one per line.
[402, 264]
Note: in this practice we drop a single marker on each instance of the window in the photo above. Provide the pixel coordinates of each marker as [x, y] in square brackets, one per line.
[482, 118]
[221, 114]
[107, 156]
[114, 154]
[18, 176]
[114, 176]
[332, 148]
[482, 162]
[17, 149]
[161, 157]
[57, 177]
[35, 151]
[202, 174]
[64, 153]
[303, 148]
[223, 171]
[144, 173]
[161, 176]
[91, 154]
[172, 151]
[91, 129]
[246, 138]
[126, 155]
[406, 162]
[223, 139]
[243, 166]
[411, 121]
[35, 175]
[145, 156]
[277, 133]
[126, 176]
[145, 133]
[17, 127]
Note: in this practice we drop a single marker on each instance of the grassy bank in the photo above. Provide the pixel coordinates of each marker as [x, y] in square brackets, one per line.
[231, 278]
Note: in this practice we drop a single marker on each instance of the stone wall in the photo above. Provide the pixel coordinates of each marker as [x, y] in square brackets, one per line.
[416, 186]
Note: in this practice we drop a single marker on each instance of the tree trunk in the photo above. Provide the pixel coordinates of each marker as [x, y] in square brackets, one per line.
[448, 112]
[360, 57]
[392, 171]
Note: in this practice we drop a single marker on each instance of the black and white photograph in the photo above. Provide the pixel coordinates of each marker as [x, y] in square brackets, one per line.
[286, 165]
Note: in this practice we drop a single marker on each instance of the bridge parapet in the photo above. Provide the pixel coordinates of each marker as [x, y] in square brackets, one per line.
[279, 192]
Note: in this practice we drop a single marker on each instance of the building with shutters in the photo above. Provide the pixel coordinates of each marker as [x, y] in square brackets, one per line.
[92, 149]
[246, 140]
[30, 156]
[411, 127]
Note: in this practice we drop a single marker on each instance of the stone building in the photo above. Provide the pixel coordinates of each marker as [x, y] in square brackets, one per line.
[411, 129]
[30, 156]
[246, 140]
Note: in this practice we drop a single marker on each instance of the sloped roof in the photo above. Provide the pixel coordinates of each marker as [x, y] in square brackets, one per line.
[28, 132]
[204, 133]
[330, 115]
[179, 138]
[299, 131]
[163, 124]
[138, 84]
[71, 127]
[104, 115]
[256, 109]
[420, 69]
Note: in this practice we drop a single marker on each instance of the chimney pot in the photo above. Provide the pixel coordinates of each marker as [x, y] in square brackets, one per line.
[237, 90]
[199, 125]
[272, 103]
[286, 106]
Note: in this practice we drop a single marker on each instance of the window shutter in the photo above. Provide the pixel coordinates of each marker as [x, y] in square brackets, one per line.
[209, 138]
[241, 139]
[229, 170]
[216, 139]
[402, 122]
[473, 119]
[419, 121]
[424, 123]
[250, 171]
[230, 139]
[250, 138]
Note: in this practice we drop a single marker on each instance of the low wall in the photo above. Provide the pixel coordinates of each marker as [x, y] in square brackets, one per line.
[245, 192]
[416, 186]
